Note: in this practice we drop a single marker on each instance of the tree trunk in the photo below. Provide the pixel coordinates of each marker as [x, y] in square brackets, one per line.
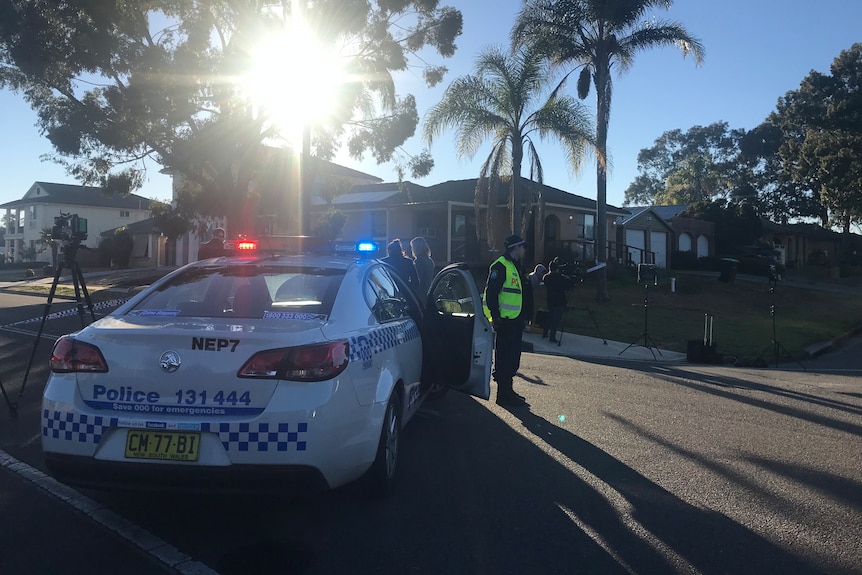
[602, 81]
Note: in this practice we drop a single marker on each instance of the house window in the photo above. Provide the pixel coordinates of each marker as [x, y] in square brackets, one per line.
[586, 226]
[124, 213]
[32, 212]
[378, 224]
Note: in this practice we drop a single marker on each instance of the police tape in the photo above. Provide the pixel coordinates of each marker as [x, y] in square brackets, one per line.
[70, 312]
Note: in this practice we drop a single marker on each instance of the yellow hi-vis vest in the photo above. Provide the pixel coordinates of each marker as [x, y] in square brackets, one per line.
[510, 299]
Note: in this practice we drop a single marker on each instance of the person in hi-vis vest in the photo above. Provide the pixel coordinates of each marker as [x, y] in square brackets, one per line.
[508, 302]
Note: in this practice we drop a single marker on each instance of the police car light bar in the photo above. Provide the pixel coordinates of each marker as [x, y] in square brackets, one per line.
[367, 248]
[246, 245]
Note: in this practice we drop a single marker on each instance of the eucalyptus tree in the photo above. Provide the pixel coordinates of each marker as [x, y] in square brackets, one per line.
[600, 36]
[687, 167]
[119, 86]
[821, 123]
[510, 100]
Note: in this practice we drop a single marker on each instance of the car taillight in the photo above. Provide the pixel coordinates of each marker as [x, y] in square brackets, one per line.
[317, 362]
[71, 355]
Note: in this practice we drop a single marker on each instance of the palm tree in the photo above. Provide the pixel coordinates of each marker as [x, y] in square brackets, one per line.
[499, 102]
[46, 240]
[598, 36]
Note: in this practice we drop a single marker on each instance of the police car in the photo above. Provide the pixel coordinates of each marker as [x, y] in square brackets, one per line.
[263, 371]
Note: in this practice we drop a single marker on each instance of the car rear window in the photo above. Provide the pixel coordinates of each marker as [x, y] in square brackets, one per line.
[245, 291]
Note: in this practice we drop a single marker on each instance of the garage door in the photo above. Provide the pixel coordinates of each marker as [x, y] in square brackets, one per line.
[635, 242]
[658, 244]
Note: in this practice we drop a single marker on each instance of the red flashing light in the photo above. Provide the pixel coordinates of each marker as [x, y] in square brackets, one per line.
[246, 245]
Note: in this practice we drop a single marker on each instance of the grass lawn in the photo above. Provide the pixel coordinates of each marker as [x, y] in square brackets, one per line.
[742, 325]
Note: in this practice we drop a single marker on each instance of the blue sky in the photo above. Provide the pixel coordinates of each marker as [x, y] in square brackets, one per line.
[756, 51]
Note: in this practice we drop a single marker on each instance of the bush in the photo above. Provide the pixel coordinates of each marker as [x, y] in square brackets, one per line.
[683, 260]
[116, 250]
[754, 265]
[709, 263]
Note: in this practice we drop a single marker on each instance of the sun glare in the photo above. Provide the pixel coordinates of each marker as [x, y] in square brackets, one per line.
[294, 80]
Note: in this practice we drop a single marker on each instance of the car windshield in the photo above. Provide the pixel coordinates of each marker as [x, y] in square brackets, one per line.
[244, 291]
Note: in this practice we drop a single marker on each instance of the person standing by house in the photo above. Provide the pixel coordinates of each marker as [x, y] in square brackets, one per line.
[508, 302]
[213, 248]
[423, 262]
[556, 285]
[403, 265]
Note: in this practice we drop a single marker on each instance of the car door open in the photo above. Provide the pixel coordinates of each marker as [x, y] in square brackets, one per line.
[458, 341]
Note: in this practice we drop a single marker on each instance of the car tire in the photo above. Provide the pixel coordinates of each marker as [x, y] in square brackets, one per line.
[381, 476]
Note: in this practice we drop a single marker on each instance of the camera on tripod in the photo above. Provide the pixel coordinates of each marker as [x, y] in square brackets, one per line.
[573, 270]
[647, 274]
[69, 228]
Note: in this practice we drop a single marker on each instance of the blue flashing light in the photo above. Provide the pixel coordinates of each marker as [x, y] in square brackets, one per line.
[366, 247]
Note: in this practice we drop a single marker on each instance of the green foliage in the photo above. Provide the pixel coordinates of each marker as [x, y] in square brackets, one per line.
[509, 101]
[683, 260]
[743, 322]
[735, 224]
[821, 127]
[118, 84]
[173, 223]
[687, 167]
[599, 36]
[116, 250]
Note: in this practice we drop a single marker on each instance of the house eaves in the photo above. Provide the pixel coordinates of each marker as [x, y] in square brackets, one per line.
[73, 195]
[642, 214]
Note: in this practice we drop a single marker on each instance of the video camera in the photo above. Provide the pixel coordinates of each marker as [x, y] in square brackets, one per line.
[69, 228]
[573, 270]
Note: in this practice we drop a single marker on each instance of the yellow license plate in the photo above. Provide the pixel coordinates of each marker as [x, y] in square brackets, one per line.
[159, 444]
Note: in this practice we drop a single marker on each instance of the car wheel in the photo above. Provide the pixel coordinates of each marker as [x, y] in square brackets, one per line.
[381, 476]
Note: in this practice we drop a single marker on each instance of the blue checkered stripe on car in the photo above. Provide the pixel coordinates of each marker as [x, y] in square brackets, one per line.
[258, 436]
[380, 339]
[72, 426]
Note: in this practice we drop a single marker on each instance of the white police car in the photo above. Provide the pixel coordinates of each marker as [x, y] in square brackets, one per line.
[261, 371]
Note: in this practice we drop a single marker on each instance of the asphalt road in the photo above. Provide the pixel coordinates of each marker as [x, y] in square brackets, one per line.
[617, 467]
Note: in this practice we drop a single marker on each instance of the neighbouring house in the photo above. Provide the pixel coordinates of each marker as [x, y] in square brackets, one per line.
[445, 215]
[275, 203]
[150, 247]
[650, 234]
[803, 244]
[28, 217]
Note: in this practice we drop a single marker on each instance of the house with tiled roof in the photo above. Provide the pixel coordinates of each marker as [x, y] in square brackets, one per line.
[44, 201]
[445, 215]
[650, 234]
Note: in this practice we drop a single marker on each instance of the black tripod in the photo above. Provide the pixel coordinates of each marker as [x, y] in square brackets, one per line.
[70, 253]
[648, 342]
[775, 344]
[592, 317]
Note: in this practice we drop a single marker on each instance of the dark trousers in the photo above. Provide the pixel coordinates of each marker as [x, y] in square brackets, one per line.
[555, 315]
[507, 352]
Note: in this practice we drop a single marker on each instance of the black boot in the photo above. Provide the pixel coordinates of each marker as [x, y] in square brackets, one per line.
[507, 396]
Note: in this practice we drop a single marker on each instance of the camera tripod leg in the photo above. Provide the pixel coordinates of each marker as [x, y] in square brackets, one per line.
[41, 326]
[777, 347]
[13, 407]
[595, 323]
[648, 342]
[81, 287]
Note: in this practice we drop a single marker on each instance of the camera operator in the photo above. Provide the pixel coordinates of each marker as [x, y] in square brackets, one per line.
[556, 284]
